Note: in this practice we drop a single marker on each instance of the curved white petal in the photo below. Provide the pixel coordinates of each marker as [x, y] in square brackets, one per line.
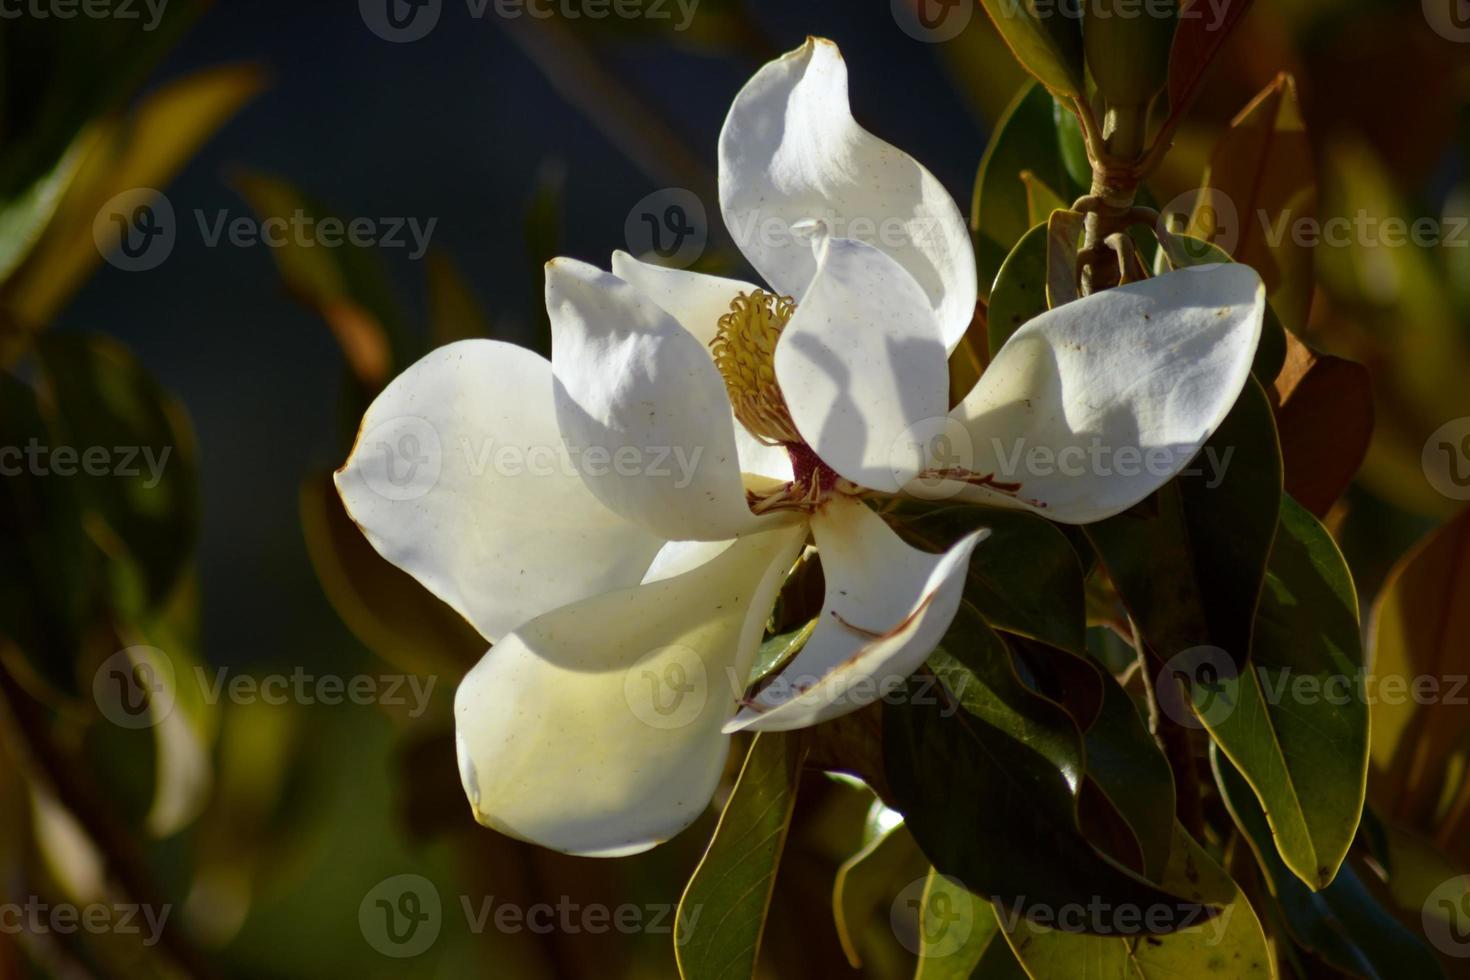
[887, 606]
[596, 728]
[694, 299]
[862, 366]
[698, 301]
[642, 405]
[1092, 406]
[459, 477]
[791, 152]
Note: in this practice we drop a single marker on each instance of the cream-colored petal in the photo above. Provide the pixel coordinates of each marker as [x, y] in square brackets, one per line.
[460, 478]
[887, 606]
[596, 728]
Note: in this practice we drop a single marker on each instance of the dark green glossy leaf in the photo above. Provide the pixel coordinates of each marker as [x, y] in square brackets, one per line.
[1020, 288]
[1127, 766]
[1024, 578]
[723, 910]
[985, 772]
[1296, 723]
[1343, 923]
[1230, 946]
[1189, 562]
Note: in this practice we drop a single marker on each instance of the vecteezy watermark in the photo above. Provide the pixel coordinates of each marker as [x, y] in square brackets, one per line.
[1450, 19]
[1195, 687]
[138, 688]
[933, 917]
[37, 917]
[1201, 687]
[669, 687]
[1446, 459]
[402, 916]
[138, 229]
[153, 10]
[1215, 218]
[403, 458]
[669, 226]
[1446, 916]
[126, 462]
[402, 21]
[932, 21]
[1101, 917]
[1212, 12]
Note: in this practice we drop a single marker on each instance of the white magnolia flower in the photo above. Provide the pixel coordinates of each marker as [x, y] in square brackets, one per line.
[703, 428]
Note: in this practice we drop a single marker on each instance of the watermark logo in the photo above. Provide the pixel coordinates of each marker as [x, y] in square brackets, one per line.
[936, 927]
[401, 916]
[1446, 459]
[401, 457]
[668, 226]
[88, 9]
[1194, 688]
[1450, 19]
[935, 448]
[400, 21]
[135, 230]
[1446, 917]
[933, 21]
[134, 688]
[1218, 219]
[667, 688]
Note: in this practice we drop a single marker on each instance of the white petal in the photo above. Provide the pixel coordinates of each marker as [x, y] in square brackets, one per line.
[643, 405]
[887, 606]
[596, 729]
[1094, 405]
[694, 299]
[698, 301]
[862, 366]
[790, 151]
[460, 478]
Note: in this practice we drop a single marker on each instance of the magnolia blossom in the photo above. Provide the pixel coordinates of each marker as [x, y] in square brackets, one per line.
[625, 599]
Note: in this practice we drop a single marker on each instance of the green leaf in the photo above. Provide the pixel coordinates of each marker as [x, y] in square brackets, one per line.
[1190, 561]
[986, 771]
[142, 148]
[1024, 578]
[1020, 288]
[723, 910]
[1027, 138]
[959, 936]
[1046, 39]
[59, 74]
[1343, 923]
[1296, 724]
[865, 883]
[135, 464]
[1128, 56]
[1126, 765]
[1230, 946]
[775, 651]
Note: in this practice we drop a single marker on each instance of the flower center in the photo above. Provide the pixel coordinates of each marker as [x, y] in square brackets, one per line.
[744, 350]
